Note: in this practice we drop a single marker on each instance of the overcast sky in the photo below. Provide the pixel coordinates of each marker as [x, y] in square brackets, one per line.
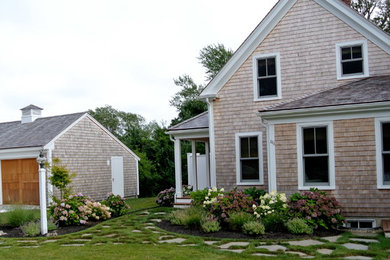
[74, 55]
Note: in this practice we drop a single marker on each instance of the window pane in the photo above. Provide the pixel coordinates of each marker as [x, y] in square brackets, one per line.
[244, 147]
[352, 67]
[250, 169]
[253, 147]
[386, 136]
[316, 169]
[271, 66]
[321, 140]
[308, 141]
[267, 87]
[356, 52]
[346, 53]
[262, 68]
[386, 168]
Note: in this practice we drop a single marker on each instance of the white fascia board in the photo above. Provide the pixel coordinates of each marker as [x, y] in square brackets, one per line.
[247, 47]
[190, 134]
[330, 112]
[112, 136]
[357, 22]
[20, 153]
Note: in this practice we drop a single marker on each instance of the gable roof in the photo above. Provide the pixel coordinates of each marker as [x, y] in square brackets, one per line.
[336, 7]
[365, 91]
[34, 134]
[200, 121]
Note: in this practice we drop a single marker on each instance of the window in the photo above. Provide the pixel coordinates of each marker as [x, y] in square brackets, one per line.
[382, 133]
[267, 81]
[248, 158]
[315, 156]
[352, 61]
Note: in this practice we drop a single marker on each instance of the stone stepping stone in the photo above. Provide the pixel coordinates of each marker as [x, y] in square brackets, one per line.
[2, 233]
[117, 243]
[365, 240]
[238, 251]
[156, 232]
[228, 245]
[110, 235]
[81, 240]
[165, 237]
[73, 244]
[364, 234]
[49, 241]
[150, 227]
[136, 231]
[296, 253]
[160, 213]
[145, 242]
[332, 238]
[210, 242]
[106, 226]
[156, 220]
[86, 235]
[98, 244]
[358, 257]
[189, 245]
[29, 246]
[325, 251]
[309, 242]
[355, 246]
[27, 241]
[174, 240]
[145, 213]
[261, 254]
[273, 248]
[1, 247]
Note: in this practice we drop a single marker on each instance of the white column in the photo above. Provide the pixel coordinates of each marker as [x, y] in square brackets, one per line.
[49, 185]
[42, 200]
[207, 151]
[271, 154]
[213, 172]
[194, 165]
[178, 174]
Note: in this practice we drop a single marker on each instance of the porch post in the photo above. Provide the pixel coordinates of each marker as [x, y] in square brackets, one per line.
[178, 174]
[194, 164]
[207, 150]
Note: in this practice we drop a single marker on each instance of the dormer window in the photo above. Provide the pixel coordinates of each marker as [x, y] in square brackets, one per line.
[266, 77]
[352, 60]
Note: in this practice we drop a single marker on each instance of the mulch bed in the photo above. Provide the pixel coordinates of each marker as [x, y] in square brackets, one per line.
[166, 225]
[17, 232]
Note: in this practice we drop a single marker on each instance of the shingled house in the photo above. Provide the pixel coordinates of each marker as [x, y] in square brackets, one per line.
[304, 102]
[101, 162]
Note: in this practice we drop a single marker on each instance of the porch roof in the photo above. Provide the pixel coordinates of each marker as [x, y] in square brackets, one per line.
[196, 127]
[369, 90]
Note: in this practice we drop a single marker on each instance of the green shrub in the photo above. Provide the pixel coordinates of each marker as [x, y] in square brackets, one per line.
[254, 193]
[70, 211]
[210, 226]
[31, 229]
[253, 228]
[19, 216]
[206, 196]
[270, 203]
[117, 205]
[166, 198]
[318, 209]
[298, 226]
[238, 219]
[190, 217]
[275, 222]
[198, 197]
[176, 217]
[51, 226]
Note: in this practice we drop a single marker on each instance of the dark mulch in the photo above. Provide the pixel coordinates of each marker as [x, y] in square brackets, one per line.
[166, 225]
[17, 232]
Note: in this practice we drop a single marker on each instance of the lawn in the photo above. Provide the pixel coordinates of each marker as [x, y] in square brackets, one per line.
[135, 236]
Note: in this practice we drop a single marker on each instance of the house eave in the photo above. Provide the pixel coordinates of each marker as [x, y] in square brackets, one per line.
[340, 110]
[20, 153]
[190, 133]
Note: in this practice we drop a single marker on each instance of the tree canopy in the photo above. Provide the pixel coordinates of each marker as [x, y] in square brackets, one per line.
[377, 11]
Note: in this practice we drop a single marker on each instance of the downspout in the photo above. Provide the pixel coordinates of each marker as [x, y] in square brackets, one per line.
[213, 176]
[271, 163]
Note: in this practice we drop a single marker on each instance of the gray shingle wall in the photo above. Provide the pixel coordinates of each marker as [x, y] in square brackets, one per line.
[85, 150]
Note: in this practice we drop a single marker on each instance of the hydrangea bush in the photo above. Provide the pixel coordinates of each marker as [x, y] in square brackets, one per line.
[205, 196]
[166, 198]
[317, 208]
[270, 203]
[96, 211]
[70, 210]
[117, 205]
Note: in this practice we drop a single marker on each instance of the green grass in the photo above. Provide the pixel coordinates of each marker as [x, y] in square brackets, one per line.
[116, 239]
[141, 203]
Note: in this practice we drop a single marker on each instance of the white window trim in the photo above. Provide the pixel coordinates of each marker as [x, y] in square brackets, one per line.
[378, 142]
[256, 93]
[260, 153]
[366, 72]
[301, 183]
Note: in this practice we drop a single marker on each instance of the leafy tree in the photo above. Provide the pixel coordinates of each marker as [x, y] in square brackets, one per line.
[213, 58]
[377, 11]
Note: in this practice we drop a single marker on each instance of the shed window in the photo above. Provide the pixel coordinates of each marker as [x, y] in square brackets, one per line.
[352, 60]
[267, 76]
[386, 152]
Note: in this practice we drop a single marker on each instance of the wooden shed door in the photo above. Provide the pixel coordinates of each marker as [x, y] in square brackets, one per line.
[20, 181]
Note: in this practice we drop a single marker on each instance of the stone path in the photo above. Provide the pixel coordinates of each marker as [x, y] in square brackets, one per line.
[146, 232]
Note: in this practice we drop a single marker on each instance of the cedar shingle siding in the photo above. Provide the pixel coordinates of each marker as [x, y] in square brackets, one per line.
[306, 41]
[85, 150]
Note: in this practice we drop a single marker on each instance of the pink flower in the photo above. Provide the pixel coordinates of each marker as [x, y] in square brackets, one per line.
[83, 222]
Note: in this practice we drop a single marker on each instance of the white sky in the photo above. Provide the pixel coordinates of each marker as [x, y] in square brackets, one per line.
[73, 55]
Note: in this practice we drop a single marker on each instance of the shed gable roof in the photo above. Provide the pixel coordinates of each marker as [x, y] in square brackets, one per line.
[37, 133]
[336, 7]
